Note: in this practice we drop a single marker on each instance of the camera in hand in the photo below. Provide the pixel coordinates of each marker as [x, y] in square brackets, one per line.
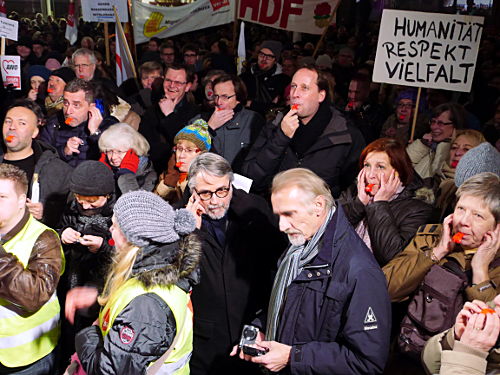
[248, 337]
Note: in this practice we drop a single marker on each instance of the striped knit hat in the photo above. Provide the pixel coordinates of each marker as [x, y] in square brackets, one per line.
[197, 133]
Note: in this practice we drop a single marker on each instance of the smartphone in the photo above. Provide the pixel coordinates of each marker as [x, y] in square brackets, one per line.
[100, 106]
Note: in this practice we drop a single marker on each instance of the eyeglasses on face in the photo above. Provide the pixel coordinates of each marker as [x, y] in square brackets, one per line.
[224, 98]
[187, 150]
[439, 123]
[405, 105]
[265, 56]
[206, 195]
[174, 83]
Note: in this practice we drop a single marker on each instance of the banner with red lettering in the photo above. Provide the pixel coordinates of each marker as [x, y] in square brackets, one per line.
[305, 16]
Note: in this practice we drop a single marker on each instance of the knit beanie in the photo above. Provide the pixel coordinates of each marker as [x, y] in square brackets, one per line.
[66, 74]
[25, 41]
[197, 133]
[482, 158]
[38, 70]
[92, 178]
[407, 94]
[274, 46]
[145, 217]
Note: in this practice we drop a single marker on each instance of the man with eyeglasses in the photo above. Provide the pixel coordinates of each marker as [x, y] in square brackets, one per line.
[233, 128]
[167, 54]
[398, 125]
[240, 245]
[265, 80]
[429, 153]
[162, 121]
[190, 55]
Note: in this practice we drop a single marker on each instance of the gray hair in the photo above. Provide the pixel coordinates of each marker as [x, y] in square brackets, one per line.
[123, 136]
[84, 52]
[211, 164]
[485, 186]
[307, 181]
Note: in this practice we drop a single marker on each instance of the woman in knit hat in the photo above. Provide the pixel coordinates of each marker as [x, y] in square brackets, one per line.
[37, 74]
[125, 151]
[145, 318]
[189, 142]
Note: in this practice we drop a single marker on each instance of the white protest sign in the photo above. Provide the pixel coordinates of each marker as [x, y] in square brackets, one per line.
[8, 28]
[427, 49]
[11, 71]
[102, 10]
[164, 22]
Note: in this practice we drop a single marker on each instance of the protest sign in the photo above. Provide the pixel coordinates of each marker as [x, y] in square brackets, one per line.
[427, 49]
[11, 71]
[163, 22]
[310, 16]
[102, 10]
[8, 28]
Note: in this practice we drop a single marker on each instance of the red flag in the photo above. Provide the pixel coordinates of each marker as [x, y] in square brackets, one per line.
[71, 29]
[124, 64]
[3, 10]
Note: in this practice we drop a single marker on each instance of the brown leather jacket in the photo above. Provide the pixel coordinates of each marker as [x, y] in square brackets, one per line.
[407, 270]
[32, 286]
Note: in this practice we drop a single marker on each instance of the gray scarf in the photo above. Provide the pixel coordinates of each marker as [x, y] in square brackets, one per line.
[291, 266]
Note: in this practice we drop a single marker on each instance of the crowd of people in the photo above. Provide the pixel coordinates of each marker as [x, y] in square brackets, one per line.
[130, 243]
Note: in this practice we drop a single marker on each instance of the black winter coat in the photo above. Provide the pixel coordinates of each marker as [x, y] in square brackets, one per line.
[57, 133]
[337, 314]
[85, 267]
[160, 130]
[235, 282]
[333, 156]
[391, 224]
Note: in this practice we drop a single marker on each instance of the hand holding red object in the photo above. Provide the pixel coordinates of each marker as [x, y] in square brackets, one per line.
[130, 162]
[487, 311]
[457, 237]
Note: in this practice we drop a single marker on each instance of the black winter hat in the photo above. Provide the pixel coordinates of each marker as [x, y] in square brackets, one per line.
[92, 178]
[25, 41]
[66, 74]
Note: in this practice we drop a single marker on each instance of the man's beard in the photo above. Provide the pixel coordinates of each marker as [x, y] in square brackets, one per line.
[214, 216]
[297, 240]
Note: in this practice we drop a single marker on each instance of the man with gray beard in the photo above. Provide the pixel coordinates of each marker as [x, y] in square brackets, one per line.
[241, 244]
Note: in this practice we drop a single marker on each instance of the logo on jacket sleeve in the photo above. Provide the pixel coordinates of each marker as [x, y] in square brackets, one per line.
[126, 335]
[370, 319]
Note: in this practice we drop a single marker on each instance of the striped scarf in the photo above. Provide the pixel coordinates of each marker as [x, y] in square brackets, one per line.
[291, 266]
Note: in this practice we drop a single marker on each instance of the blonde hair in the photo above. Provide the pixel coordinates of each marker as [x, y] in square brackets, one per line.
[120, 271]
[122, 135]
[474, 135]
[307, 181]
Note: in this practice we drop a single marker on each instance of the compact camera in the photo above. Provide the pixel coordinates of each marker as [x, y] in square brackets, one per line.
[248, 337]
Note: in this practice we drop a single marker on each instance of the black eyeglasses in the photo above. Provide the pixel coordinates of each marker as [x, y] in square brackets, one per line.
[265, 56]
[439, 123]
[224, 98]
[206, 195]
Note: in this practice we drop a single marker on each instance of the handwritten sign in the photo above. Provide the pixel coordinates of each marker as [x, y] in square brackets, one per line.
[427, 49]
[11, 71]
[8, 28]
[102, 10]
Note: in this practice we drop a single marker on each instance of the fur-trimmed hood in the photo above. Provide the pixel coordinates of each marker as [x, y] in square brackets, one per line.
[169, 264]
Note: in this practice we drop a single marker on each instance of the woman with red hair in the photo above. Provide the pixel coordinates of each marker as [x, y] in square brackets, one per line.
[385, 206]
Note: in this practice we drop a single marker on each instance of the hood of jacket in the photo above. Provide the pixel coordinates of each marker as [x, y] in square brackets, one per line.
[169, 264]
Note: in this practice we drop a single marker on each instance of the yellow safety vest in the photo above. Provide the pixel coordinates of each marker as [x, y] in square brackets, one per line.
[25, 337]
[178, 301]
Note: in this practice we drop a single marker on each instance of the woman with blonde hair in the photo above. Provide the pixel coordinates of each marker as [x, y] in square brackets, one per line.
[125, 151]
[145, 323]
